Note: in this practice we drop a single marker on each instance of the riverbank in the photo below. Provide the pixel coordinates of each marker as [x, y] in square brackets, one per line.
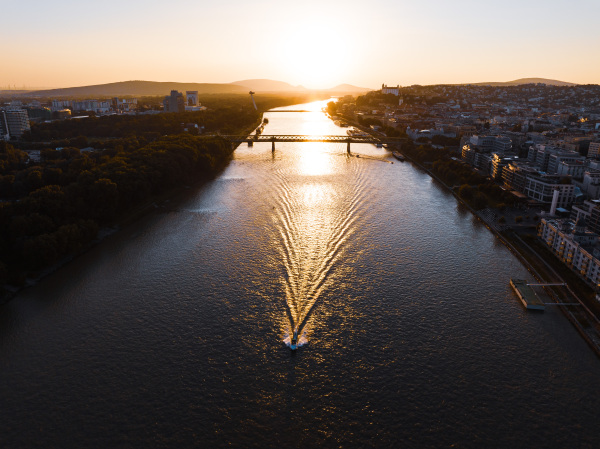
[581, 317]
[147, 207]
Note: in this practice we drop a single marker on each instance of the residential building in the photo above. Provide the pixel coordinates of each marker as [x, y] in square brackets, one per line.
[574, 244]
[99, 107]
[59, 105]
[590, 185]
[498, 163]
[174, 102]
[4, 134]
[547, 157]
[556, 159]
[594, 150]
[538, 186]
[17, 122]
[39, 114]
[574, 169]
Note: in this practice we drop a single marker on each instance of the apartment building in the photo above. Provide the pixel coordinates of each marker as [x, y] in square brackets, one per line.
[575, 245]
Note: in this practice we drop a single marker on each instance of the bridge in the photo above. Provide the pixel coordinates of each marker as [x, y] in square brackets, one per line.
[251, 139]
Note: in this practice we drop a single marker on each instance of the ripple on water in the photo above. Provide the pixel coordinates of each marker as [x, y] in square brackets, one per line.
[174, 332]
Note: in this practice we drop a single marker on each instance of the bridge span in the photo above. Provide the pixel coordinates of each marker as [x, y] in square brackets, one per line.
[264, 138]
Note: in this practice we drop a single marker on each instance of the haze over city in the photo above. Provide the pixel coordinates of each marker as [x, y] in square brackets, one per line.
[311, 43]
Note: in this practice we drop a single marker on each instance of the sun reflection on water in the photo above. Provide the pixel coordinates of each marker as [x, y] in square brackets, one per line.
[314, 161]
[314, 222]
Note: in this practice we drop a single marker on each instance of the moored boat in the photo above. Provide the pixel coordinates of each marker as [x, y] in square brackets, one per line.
[398, 155]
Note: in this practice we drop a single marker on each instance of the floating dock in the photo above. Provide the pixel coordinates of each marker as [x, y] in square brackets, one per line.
[526, 294]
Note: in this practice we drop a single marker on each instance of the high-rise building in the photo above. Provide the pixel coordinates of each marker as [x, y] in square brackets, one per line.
[191, 98]
[17, 121]
[4, 134]
[174, 102]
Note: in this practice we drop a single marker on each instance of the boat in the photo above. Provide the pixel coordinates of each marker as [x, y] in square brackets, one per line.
[398, 156]
[294, 343]
[353, 132]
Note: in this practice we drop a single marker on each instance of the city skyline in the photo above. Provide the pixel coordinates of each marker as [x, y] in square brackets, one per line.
[316, 45]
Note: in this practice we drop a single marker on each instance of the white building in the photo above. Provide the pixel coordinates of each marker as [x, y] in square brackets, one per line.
[59, 105]
[191, 98]
[97, 106]
[541, 188]
[574, 245]
[390, 90]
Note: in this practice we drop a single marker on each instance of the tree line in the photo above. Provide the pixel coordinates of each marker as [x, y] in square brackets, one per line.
[476, 189]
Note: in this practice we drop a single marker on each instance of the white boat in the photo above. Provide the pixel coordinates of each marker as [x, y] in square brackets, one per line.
[294, 342]
[353, 132]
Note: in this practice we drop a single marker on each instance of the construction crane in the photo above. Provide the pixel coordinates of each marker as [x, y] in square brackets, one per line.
[253, 102]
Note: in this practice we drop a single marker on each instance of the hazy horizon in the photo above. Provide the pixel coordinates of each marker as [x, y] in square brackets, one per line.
[314, 44]
[40, 88]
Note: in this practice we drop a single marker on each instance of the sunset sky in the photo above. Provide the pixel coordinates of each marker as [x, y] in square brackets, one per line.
[318, 44]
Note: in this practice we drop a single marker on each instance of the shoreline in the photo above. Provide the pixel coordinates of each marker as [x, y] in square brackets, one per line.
[592, 340]
[132, 217]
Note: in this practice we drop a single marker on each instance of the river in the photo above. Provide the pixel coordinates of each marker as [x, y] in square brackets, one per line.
[174, 331]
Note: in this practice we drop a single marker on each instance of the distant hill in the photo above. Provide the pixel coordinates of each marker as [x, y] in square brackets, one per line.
[138, 88]
[349, 88]
[264, 85]
[154, 88]
[527, 81]
[12, 92]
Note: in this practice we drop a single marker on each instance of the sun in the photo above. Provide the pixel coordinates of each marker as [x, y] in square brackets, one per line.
[315, 54]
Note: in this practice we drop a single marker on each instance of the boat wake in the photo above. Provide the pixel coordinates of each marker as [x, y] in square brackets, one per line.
[315, 222]
[302, 338]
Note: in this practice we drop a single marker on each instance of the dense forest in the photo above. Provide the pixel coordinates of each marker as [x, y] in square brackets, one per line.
[53, 208]
[226, 114]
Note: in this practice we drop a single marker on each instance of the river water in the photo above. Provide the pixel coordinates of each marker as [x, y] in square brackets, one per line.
[174, 331]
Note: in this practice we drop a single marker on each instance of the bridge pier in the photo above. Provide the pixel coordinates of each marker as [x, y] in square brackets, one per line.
[273, 146]
[348, 147]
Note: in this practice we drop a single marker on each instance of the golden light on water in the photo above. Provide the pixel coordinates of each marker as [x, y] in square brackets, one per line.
[313, 224]
[314, 161]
